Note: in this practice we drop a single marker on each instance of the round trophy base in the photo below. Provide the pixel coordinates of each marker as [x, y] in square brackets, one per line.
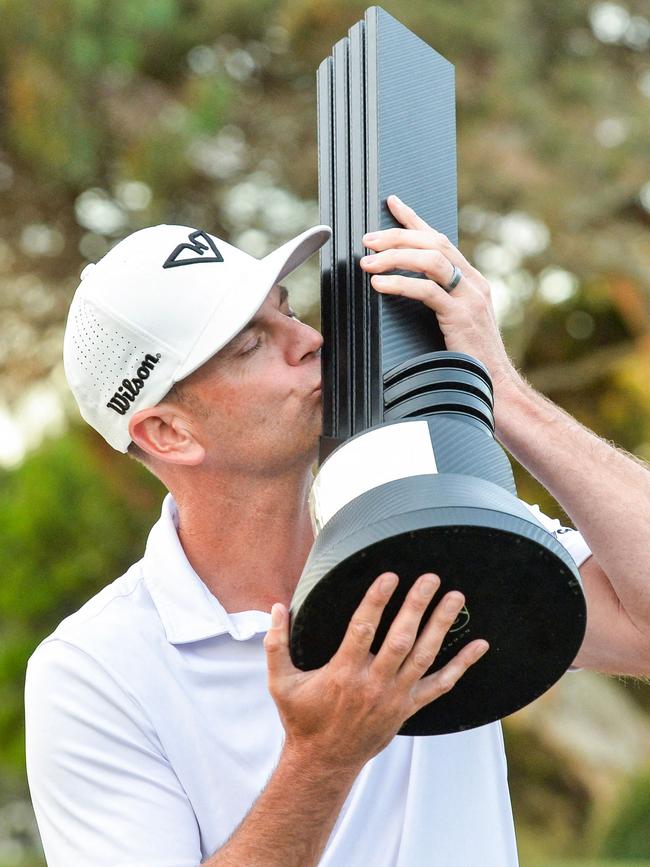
[520, 585]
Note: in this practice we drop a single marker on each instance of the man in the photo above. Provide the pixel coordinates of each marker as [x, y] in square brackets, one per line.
[153, 735]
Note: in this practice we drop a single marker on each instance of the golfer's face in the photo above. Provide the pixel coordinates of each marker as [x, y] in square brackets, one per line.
[263, 391]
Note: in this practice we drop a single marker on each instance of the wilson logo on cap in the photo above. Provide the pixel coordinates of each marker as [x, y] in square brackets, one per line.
[131, 388]
[180, 256]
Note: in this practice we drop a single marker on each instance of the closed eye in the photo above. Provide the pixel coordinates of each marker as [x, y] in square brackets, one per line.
[249, 349]
[252, 348]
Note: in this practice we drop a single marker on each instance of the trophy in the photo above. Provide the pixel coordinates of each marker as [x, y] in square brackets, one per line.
[411, 479]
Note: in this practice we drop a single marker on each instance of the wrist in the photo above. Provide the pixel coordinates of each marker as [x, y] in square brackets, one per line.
[310, 761]
[511, 398]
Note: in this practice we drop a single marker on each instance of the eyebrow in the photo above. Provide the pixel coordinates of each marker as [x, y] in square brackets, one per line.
[239, 337]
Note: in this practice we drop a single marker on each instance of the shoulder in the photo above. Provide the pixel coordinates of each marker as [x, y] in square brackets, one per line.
[91, 668]
[110, 628]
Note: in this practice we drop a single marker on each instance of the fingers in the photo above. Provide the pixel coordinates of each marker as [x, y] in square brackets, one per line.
[276, 644]
[405, 215]
[433, 263]
[430, 639]
[363, 625]
[432, 687]
[430, 293]
[387, 239]
[401, 636]
[416, 235]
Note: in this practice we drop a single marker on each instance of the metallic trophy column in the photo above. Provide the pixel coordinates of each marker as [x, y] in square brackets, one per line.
[411, 478]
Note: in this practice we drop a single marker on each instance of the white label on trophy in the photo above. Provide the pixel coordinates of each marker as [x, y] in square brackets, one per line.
[390, 452]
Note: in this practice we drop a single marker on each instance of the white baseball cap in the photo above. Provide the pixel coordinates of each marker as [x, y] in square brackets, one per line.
[155, 308]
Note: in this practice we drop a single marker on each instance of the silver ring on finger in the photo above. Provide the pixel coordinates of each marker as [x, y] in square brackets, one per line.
[455, 279]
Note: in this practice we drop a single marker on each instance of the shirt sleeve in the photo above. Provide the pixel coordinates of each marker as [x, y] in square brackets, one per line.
[572, 540]
[103, 793]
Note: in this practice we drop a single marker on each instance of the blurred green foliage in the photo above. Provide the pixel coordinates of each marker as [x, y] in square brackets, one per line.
[74, 515]
[590, 863]
[546, 793]
[629, 834]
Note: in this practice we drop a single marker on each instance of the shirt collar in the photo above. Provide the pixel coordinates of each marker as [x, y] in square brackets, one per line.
[187, 609]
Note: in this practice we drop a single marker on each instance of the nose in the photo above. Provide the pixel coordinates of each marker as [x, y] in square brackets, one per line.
[304, 341]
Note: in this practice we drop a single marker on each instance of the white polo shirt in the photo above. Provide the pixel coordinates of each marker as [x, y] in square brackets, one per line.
[150, 733]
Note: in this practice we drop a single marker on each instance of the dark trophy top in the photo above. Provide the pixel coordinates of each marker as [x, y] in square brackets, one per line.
[386, 124]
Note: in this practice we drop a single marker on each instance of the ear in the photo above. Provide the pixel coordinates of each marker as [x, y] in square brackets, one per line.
[168, 434]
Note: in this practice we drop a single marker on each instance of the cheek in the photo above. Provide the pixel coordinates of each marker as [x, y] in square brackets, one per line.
[238, 408]
[254, 398]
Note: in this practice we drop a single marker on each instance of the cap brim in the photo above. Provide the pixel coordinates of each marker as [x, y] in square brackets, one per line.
[244, 302]
[286, 258]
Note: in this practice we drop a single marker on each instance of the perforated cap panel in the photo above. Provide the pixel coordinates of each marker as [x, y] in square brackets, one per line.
[100, 350]
[112, 370]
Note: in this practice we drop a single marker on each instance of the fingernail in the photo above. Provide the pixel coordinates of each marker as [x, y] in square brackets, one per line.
[276, 615]
[427, 586]
[452, 604]
[378, 281]
[397, 199]
[388, 583]
[367, 259]
[371, 236]
[481, 649]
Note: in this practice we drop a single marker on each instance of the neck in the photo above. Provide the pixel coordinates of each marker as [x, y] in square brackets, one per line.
[247, 540]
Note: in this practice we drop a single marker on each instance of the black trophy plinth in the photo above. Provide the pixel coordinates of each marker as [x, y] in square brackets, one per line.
[411, 478]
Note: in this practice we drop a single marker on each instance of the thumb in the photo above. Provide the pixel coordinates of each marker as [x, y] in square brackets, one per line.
[276, 644]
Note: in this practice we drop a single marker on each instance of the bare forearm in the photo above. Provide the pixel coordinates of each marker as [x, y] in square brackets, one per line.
[290, 823]
[605, 492]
